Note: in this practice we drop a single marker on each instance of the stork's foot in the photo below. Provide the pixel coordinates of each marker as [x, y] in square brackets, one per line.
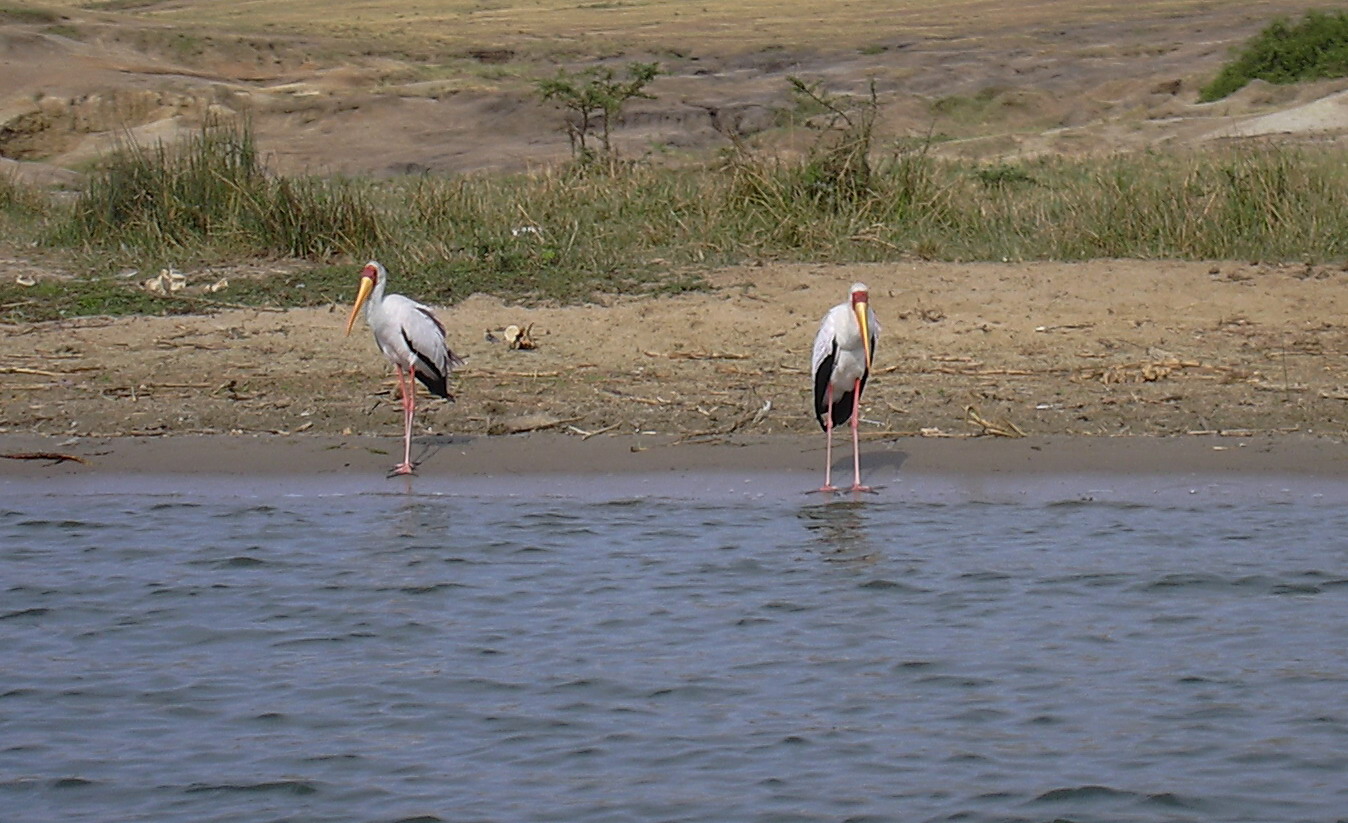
[402, 468]
[828, 488]
[857, 487]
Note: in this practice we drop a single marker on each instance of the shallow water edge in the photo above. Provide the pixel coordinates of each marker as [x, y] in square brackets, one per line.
[1144, 470]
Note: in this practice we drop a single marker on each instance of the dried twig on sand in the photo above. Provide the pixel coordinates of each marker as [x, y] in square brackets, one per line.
[1223, 432]
[748, 419]
[649, 401]
[498, 373]
[973, 369]
[1150, 371]
[999, 428]
[696, 355]
[584, 435]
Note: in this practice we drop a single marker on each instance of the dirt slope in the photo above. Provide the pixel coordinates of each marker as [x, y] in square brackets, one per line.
[1012, 81]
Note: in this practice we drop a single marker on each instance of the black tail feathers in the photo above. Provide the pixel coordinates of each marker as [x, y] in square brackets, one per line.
[435, 383]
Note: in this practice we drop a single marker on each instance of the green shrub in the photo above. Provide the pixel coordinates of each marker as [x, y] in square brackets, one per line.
[1313, 49]
[1003, 174]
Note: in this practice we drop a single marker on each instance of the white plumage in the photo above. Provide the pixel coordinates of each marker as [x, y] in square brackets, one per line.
[840, 366]
[412, 339]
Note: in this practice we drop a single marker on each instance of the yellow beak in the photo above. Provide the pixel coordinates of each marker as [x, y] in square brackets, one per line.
[863, 321]
[366, 286]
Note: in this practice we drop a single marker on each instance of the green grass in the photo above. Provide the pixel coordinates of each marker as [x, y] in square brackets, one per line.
[22, 13]
[1285, 52]
[57, 299]
[570, 233]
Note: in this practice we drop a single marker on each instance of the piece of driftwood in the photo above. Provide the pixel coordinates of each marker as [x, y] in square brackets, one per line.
[55, 457]
[528, 423]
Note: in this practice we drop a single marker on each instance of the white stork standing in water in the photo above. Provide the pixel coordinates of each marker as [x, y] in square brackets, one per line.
[412, 339]
[842, 362]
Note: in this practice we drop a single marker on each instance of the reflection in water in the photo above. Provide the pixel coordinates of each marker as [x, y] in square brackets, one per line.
[839, 527]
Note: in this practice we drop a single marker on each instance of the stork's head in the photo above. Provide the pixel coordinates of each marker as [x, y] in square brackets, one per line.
[369, 278]
[860, 300]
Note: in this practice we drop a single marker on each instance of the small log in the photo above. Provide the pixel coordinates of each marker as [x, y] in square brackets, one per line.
[56, 457]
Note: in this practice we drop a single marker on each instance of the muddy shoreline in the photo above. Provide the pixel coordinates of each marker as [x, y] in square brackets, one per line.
[543, 454]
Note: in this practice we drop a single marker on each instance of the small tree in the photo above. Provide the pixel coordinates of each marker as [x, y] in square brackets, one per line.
[596, 97]
[839, 168]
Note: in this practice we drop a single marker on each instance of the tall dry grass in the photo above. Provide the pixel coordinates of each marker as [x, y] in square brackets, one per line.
[210, 195]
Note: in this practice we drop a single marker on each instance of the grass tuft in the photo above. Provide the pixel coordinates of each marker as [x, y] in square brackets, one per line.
[18, 200]
[212, 193]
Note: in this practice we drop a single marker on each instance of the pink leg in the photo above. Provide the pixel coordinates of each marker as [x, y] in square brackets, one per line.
[408, 391]
[856, 448]
[828, 441]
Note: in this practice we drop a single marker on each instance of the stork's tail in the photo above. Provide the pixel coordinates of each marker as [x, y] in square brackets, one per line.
[435, 380]
[435, 383]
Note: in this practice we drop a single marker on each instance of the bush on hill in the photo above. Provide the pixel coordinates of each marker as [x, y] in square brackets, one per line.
[1284, 52]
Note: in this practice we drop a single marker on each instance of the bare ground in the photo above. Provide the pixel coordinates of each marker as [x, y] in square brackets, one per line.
[994, 82]
[1100, 348]
[1104, 347]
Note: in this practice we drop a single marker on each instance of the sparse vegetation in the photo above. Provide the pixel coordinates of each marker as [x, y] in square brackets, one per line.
[1285, 52]
[22, 13]
[17, 201]
[595, 98]
[837, 172]
[566, 234]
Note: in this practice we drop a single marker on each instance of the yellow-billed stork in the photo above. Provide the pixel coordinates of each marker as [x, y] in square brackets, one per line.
[412, 339]
[843, 349]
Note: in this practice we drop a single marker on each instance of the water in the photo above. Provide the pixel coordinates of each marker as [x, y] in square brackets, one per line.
[245, 654]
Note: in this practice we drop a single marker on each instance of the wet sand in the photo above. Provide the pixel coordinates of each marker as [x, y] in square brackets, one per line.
[544, 453]
[918, 469]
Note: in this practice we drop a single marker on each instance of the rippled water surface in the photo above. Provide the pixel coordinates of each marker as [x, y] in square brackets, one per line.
[396, 657]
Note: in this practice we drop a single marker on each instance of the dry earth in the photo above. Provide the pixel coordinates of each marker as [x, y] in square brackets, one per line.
[1011, 80]
[1107, 347]
[1104, 348]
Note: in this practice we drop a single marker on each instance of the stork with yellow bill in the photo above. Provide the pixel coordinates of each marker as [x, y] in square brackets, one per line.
[843, 349]
[412, 339]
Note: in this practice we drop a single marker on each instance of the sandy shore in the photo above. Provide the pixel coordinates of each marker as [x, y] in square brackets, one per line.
[1110, 366]
[1101, 348]
[930, 469]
